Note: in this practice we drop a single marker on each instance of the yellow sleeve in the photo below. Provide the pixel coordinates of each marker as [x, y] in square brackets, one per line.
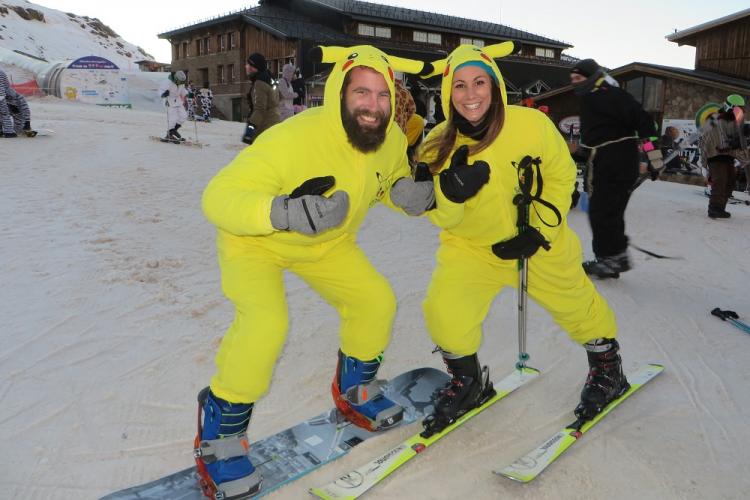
[238, 199]
[558, 180]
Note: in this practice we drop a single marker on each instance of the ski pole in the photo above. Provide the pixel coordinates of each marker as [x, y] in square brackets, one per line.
[732, 317]
[522, 201]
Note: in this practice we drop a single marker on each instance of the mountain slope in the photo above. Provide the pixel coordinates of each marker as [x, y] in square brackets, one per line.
[53, 35]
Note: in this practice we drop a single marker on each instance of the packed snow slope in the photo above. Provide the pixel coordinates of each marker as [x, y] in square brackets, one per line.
[112, 312]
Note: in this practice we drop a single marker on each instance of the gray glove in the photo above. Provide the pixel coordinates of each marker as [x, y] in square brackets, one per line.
[309, 214]
[414, 198]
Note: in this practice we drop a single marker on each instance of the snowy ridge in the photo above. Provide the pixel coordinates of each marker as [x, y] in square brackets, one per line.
[53, 35]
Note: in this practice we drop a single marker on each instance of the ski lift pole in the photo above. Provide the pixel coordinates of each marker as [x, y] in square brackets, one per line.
[522, 201]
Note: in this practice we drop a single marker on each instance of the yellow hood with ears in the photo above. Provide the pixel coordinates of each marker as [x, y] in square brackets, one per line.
[467, 53]
[347, 58]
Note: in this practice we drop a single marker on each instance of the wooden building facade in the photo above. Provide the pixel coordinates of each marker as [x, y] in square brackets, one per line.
[213, 52]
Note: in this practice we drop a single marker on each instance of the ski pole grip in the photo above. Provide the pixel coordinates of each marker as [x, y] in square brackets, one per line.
[724, 315]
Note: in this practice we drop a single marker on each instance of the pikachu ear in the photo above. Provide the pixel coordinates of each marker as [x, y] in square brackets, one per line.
[410, 66]
[498, 50]
[332, 54]
[436, 67]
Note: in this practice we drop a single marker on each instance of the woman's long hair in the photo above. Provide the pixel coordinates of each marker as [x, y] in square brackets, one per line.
[441, 146]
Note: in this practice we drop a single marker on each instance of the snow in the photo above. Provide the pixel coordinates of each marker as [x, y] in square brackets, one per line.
[112, 311]
[62, 37]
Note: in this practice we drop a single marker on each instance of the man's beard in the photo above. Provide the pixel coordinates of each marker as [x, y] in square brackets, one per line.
[365, 139]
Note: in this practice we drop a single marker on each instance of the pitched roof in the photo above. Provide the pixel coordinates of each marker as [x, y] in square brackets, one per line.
[687, 36]
[286, 23]
[700, 77]
[404, 16]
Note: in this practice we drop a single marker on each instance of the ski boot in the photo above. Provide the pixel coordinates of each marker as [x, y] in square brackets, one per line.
[605, 381]
[224, 469]
[608, 267]
[358, 396]
[469, 388]
[9, 135]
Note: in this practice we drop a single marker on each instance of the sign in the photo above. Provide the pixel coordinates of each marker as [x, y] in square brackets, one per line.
[92, 62]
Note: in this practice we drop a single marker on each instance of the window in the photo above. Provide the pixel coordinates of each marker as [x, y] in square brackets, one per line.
[221, 43]
[543, 52]
[647, 90]
[434, 38]
[207, 45]
[199, 47]
[366, 29]
[231, 40]
[472, 41]
[382, 31]
[220, 74]
[185, 49]
[420, 36]
[231, 74]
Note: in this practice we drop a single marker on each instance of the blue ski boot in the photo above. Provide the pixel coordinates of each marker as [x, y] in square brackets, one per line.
[358, 396]
[221, 447]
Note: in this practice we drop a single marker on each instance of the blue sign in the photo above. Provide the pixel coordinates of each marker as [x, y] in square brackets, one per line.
[92, 62]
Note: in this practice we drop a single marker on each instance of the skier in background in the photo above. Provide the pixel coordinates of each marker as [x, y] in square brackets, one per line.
[174, 94]
[207, 102]
[298, 84]
[280, 208]
[15, 114]
[286, 92]
[612, 123]
[263, 99]
[720, 145]
[190, 100]
[473, 157]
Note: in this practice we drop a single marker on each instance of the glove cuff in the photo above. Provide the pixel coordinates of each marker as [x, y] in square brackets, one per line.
[280, 213]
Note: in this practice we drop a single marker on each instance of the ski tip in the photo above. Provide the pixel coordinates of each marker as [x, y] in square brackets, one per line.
[515, 476]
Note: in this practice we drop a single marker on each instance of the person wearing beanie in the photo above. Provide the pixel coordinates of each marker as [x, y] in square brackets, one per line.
[263, 98]
[613, 126]
[294, 201]
[481, 158]
[15, 114]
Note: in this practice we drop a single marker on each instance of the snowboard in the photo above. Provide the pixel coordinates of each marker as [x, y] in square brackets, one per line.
[298, 450]
[186, 142]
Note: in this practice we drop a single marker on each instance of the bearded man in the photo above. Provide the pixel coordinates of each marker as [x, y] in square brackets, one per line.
[294, 200]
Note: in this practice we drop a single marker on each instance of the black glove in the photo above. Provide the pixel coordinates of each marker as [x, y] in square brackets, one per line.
[13, 109]
[460, 181]
[521, 246]
[316, 186]
[249, 136]
[165, 94]
[576, 196]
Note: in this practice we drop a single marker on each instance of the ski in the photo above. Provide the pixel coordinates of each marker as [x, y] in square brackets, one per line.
[532, 464]
[291, 453]
[186, 142]
[732, 317]
[357, 482]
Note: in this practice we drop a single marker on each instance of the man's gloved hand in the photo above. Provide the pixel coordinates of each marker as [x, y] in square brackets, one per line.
[309, 214]
[165, 94]
[417, 196]
[521, 246]
[249, 136]
[460, 181]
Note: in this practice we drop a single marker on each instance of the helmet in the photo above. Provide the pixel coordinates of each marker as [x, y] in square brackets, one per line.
[179, 77]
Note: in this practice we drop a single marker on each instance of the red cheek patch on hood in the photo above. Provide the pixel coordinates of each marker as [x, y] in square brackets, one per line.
[347, 64]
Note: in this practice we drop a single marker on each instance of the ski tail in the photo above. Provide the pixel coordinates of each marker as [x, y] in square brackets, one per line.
[355, 483]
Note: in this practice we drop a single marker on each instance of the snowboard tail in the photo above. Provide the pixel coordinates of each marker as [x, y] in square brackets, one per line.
[298, 450]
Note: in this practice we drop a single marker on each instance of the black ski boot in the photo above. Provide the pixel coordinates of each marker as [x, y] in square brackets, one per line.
[608, 267]
[469, 388]
[605, 381]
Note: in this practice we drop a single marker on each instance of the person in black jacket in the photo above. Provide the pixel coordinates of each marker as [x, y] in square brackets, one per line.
[612, 125]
